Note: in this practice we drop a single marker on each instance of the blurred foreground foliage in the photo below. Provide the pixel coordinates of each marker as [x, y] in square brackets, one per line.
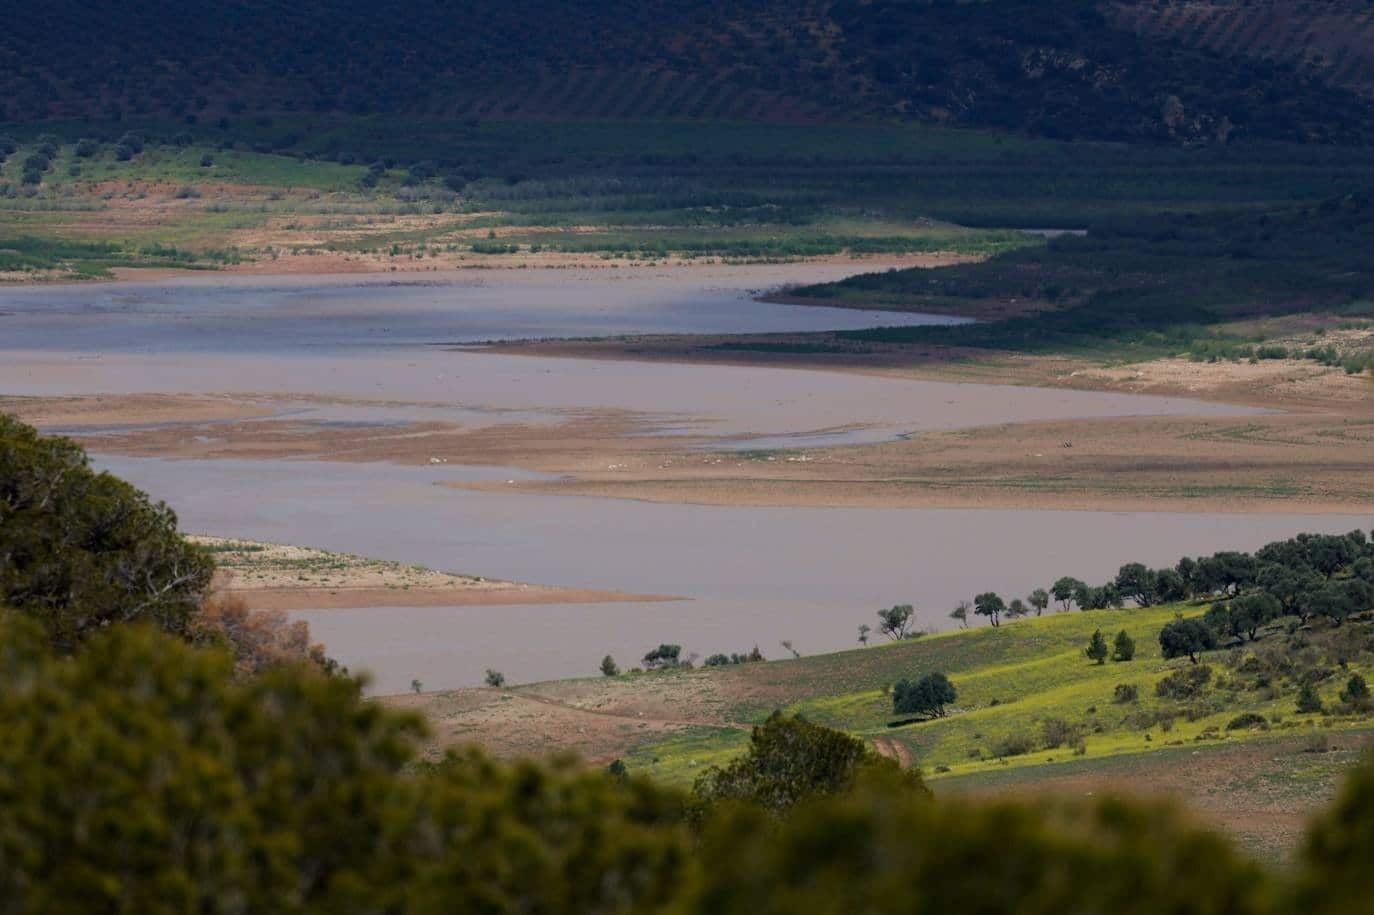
[147, 769]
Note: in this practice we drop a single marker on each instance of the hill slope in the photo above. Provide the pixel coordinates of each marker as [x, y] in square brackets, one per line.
[1051, 67]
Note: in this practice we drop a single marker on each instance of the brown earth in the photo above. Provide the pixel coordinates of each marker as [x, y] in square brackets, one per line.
[1263, 792]
[528, 725]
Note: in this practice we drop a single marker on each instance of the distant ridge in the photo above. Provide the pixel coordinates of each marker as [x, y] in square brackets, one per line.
[1160, 72]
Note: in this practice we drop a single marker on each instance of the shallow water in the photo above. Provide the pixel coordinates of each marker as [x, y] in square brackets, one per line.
[374, 343]
[754, 575]
[219, 314]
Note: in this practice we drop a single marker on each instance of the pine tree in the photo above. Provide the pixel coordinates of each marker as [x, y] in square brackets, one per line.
[1097, 647]
[1124, 647]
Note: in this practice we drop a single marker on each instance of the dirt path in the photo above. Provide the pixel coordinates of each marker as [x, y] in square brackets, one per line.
[895, 750]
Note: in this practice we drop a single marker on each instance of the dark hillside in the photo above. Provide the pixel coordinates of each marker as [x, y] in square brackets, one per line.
[1047, 67]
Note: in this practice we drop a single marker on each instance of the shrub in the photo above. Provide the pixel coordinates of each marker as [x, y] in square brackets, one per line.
[1248, 721]
[790, 760]
[1185, 683]
[1356, 692]
[1308, 700]
[1123, 647]
[1057, 732]
[495, 678]
[188, 193]
[663, 656]
[1097, 648]
[1125, 692]
[1013, 745]
[609, 668]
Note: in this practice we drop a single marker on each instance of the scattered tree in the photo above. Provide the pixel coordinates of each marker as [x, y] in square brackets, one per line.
[989, 604]
[927, 696]
[1065, 589]
[1039, 599]
[495, 678]
[1135, 582]
[893, 621]
[663, 656]
[1097, 648]
[1186, 638]
[1123, 648]
[864, 630]
[790, 760]
[960, 613]
[416, 687]
[609, 668]
[1308, 699]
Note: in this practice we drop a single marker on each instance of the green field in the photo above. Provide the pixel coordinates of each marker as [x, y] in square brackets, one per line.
[1021, 681]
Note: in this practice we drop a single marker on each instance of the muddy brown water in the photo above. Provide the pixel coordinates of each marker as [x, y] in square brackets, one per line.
[753, 575]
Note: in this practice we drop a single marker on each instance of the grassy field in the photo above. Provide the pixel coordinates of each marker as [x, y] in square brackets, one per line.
[1028, 697]
[651, 189]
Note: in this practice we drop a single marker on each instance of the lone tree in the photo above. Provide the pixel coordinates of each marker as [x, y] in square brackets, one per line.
[960, 613]
[926, 696]
[1097, 647]
[1185, 638]
[1039, 599]
[864, 630]
[893, 621]
[1064, 590]
[1123, 649]
[989, 604]
[609, 668]
[495, 678]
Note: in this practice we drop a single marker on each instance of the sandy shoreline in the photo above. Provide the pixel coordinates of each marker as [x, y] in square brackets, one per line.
[271, 576]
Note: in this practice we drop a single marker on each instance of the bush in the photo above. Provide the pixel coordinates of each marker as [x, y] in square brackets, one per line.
[1185, 683]
[790, 760]
[609, 668]
[1125, 692]
[1248, 721]
[188, 193]
[1356, 692]
[1057, 732]
[495, 678]
[1309, 701]
[1013, 745]
[1123, 647]
[663, 656]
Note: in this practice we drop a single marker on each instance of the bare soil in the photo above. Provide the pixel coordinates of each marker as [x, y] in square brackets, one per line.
[270, 576]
